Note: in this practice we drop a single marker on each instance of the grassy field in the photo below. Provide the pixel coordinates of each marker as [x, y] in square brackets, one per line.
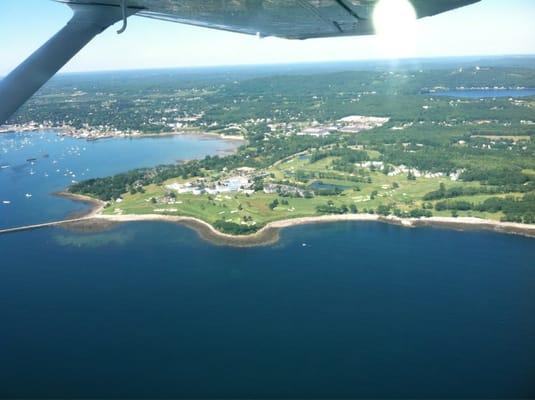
[254, 209]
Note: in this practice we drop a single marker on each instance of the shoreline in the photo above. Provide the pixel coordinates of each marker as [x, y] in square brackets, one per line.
[93, 220]
[95, 206]
[269, 234]
[94, 136]
[195, 134]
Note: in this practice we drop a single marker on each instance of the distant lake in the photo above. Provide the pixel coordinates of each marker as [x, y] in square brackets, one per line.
[40, 163]
[482, 94]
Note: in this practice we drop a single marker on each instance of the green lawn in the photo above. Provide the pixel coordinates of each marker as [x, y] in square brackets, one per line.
[254, 209]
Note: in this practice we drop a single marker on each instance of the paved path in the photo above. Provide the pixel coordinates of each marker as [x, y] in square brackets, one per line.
[43, 225]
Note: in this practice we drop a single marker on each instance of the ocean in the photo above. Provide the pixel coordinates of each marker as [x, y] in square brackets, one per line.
[350, 309]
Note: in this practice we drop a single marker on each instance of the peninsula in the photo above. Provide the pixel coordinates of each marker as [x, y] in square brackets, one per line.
[383, 144]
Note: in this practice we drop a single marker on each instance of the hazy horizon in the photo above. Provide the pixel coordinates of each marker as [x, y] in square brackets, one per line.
[470, 31]
[377, 63]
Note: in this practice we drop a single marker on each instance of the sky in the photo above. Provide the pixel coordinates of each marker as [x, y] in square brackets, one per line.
[491, 27]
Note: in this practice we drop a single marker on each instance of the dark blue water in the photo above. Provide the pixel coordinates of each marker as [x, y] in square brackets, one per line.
[490, 93]
[319, 185]
[60, 161]
[151, 310]
[364, 310]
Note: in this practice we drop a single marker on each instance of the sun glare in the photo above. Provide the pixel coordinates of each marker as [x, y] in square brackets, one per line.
[395, 25]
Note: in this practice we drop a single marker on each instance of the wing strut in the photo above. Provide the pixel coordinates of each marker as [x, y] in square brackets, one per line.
[86, 22]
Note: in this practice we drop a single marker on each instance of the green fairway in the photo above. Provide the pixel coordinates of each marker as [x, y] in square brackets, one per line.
[396, 192]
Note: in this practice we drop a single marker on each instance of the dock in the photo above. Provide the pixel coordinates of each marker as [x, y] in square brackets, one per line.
[43, 225]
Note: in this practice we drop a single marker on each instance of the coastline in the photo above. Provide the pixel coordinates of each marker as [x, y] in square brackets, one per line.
[92, 135]
[93, 220]
[269, 234]
[192, 133]
[96, 206]
[208, 135]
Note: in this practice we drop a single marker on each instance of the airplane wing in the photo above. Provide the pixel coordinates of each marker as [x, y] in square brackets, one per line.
[290, 19]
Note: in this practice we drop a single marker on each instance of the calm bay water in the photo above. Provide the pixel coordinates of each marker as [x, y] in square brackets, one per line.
[58, 161]
[151, 310]
[490, 93]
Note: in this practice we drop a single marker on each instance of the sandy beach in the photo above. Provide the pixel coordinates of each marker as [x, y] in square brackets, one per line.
[96, 206]
[139, 135]
[192, 133]
[269, 233]
[95, 220]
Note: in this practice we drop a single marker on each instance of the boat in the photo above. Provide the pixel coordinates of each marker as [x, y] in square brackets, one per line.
[28, 195]
[6, 202]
